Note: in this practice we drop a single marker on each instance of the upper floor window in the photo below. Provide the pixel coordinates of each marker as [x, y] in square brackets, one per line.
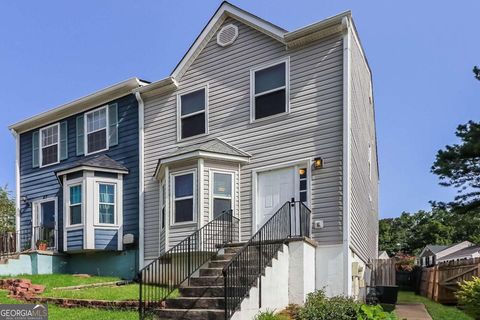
[96, 130]
[222, 193]
[184, 197]
[192, 113]
[75, 206]
[106, 203]
[303, 184]
[49, 137]
[269, 90]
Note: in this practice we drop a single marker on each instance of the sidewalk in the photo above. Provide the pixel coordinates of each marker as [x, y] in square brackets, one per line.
[412, 311]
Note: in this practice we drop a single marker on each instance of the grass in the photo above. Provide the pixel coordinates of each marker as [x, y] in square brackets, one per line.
[436, 310]
[58, 313]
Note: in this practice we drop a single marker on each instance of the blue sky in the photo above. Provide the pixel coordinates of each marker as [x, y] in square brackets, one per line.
[421, 54]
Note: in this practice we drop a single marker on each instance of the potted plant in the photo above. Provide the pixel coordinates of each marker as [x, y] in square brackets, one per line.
[42, 245]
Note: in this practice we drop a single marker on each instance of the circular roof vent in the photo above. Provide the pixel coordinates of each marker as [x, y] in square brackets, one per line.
[227, 35]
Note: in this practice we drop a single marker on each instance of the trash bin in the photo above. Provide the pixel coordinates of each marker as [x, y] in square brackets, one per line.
[387, 294]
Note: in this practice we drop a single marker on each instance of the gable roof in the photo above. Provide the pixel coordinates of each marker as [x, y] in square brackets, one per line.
[462, 254]
[92, 100]
[437, 248]
[214, 149]
[100, 162]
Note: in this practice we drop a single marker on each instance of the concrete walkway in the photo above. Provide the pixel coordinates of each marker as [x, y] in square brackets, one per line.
[412, 311]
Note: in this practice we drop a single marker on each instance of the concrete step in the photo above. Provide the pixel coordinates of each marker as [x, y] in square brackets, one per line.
[211, 272]
[191, 291]
[191, 314]
[195, 303]
[206, 281]
[227, 256]
[218, 263]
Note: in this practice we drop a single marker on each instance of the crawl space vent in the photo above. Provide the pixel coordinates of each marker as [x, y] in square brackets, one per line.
[227, 35]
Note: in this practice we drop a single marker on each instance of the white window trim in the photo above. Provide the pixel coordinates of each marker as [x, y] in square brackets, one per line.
[212, 191]
[286, 87]
[180, 117]
[86, 133]
[194, 197]
[40, 143]
[115, 185]
[73, 183]
[163, 204]
[35, 222]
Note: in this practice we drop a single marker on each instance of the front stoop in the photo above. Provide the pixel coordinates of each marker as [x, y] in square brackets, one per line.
[202, 297]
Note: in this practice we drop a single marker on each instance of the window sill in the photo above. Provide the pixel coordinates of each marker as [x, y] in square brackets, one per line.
[94, 152]
[183, 224]
[75, 226]
[273, 117]
[106, 225]
[198, 136]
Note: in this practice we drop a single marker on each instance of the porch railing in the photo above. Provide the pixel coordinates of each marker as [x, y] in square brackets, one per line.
[293, 219]
[13, 242]
[166, 273]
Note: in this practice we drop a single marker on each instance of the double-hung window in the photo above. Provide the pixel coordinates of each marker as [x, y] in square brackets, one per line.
[75, 206]
[96, 130]
[222, 193]
[184, 197]
[106, 203]
[49, 145]
[192, 113]
[269, 88]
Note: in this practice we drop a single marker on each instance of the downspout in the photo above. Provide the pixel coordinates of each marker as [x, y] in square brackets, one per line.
[141, 179]
[347, 257]
[17, 187]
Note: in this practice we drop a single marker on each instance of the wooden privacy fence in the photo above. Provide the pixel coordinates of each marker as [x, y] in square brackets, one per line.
[441, 282]
[383, 272]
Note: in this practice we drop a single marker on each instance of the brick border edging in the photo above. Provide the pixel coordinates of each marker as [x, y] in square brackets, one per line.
[85, 303]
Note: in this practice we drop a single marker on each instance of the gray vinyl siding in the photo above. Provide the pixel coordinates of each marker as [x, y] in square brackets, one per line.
[364, 190]
[312, 128]
[75, 239]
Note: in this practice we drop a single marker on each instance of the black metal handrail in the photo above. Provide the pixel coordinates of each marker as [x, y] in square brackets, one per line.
[165, 274]
[248, 264]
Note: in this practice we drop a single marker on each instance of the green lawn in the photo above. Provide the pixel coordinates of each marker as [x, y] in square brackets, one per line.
[58, 313]
[436, 310]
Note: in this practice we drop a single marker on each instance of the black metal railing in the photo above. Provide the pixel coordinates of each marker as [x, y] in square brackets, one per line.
[248, 264]
[165, 274]
[14, 242]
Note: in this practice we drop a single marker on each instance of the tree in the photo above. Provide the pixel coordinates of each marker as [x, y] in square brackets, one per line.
[7, 210]
[458, 165]
[476, 71]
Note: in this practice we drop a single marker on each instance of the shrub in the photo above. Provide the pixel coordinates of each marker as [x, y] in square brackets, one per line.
[269, 315]
[374, 313]
[319, 307]
[469, 296]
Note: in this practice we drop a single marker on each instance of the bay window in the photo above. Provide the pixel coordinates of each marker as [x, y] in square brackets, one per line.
[184, 197]
[222, 193]
[106, 203]
[75, 206]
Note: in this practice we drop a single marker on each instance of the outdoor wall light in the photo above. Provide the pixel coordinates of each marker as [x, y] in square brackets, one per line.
[23, 198]
[318, 163]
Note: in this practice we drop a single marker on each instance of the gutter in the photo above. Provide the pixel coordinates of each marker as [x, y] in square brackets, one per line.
[141, 179]
[17, 187]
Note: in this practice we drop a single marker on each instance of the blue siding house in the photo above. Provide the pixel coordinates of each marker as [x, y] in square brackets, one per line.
[78, 182]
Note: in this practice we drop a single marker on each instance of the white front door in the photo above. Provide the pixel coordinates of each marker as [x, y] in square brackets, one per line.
[274, 188]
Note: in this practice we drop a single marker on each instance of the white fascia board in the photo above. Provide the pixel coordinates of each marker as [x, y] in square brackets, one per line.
[201, 154]
[159, 86]
[317, 26]
[79, 105]
[89, 168]
[226, 9]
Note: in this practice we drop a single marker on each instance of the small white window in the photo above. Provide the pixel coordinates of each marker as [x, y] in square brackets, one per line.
[192, 113]
[269, 90]
[96, 130]
[302, 172]
[49, 153]
[75, 205]
[106, 203]
[222, 193]
[184, 197]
